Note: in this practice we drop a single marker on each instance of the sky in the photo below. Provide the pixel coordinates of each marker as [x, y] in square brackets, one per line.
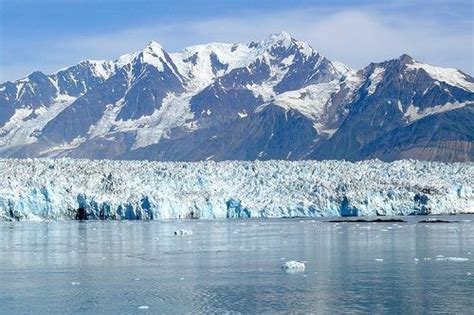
[48, 35]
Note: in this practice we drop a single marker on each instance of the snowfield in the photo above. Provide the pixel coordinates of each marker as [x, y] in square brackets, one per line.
[38, 189]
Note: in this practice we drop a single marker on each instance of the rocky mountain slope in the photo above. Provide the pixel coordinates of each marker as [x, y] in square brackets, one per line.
[273, 99]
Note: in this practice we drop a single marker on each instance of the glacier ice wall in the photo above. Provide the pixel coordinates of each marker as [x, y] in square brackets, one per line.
[35, 189]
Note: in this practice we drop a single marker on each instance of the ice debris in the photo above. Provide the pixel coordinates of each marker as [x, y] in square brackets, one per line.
[183, 232]
[293, 266]
[456, 259]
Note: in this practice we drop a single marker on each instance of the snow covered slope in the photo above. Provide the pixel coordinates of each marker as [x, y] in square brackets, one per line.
[277, 98]
[35, 189]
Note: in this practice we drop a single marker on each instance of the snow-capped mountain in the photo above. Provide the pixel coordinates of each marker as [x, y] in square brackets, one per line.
[273, 99]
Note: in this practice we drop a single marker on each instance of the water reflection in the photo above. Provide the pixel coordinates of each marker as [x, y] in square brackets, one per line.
[224, 266]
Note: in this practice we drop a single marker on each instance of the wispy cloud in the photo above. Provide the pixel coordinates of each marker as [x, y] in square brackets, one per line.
[355, 36]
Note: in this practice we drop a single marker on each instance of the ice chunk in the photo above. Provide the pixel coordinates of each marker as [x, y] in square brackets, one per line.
[379, 259]
[293, 266]
[456, 259]
[143, 307]
[183, 232]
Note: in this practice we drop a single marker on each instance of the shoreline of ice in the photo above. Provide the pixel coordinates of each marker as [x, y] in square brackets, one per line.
[44, 189]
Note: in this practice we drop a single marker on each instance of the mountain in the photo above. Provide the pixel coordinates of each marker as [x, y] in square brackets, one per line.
[273, 99]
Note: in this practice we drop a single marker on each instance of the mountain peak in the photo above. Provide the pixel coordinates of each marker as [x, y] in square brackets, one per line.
[282, 38]
[280, 35]
[153, 46]
[406, 59]
[277, 98]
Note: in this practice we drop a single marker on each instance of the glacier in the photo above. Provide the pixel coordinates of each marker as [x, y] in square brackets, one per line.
[61, 189]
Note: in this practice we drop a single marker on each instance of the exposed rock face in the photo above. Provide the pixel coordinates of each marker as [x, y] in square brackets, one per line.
[274, 99]
[408, 114]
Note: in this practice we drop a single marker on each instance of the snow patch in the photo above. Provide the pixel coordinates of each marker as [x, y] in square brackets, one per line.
[106, 122]
[342, 68]
[450, 76]
[21, 131]
[413, 113]
[174, 112]
[60, 150]
[375, 78]
[311, 101]
[242, 114]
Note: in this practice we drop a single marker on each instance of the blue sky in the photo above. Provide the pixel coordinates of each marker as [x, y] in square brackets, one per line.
[49, 34]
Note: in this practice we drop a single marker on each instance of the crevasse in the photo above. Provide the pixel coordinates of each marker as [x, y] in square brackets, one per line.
[38, 189]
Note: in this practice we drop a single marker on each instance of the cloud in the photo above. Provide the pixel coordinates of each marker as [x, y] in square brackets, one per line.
[355, 36]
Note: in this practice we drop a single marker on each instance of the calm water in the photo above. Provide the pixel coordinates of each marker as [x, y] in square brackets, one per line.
[234, 266]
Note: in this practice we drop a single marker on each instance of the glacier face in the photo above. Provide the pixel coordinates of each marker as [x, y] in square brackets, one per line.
[36, 189]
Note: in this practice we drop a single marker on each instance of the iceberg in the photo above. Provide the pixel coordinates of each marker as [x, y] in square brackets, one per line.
[51, 189]
[293, 266]
[456, 259]
[183, 232]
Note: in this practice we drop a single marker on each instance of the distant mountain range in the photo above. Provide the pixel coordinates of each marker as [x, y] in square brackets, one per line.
[273, 99]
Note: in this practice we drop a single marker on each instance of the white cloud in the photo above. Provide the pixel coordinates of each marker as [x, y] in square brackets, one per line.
[353, 36]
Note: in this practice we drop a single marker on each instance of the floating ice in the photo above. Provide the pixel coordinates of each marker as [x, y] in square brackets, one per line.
[379, 259]
[456, 259]
[183, 232]
[293, 266]
[143, 307]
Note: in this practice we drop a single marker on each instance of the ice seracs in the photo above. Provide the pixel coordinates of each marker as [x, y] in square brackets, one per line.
[41, 189]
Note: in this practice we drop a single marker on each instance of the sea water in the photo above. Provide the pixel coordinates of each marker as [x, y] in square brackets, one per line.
[235, 266]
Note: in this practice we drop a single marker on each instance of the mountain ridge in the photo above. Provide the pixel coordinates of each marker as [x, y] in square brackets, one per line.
[285, 99]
